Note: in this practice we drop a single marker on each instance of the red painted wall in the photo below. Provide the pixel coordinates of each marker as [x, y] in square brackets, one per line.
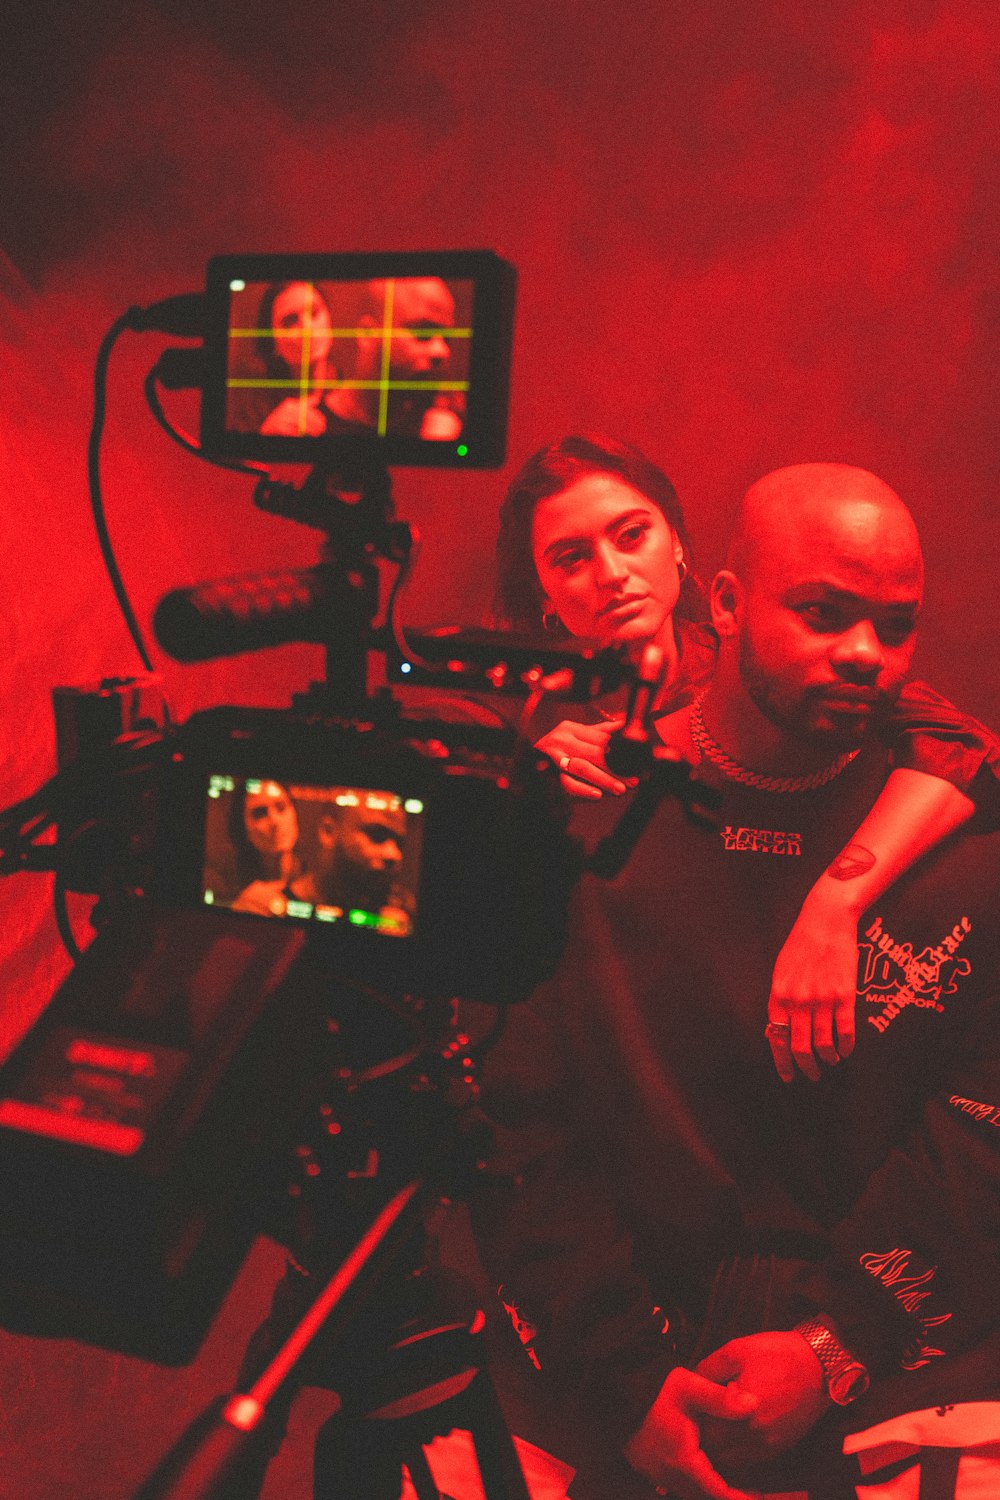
[747, 235]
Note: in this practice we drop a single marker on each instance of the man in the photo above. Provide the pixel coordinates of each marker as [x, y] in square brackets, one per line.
[732, 1276]
[401, 357]
[360, 848]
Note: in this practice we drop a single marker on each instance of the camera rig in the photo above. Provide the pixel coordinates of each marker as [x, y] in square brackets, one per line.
[214, 1068]
[141, 1090]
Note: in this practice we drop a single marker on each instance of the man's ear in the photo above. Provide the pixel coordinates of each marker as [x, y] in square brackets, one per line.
[726, 598]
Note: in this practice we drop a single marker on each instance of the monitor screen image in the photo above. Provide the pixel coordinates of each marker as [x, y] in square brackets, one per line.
[308, 359]
[329, 854]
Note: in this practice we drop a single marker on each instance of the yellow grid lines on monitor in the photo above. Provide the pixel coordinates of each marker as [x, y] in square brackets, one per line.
[304, 385]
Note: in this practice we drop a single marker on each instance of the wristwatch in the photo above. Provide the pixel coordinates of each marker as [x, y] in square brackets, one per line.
[846, 1377]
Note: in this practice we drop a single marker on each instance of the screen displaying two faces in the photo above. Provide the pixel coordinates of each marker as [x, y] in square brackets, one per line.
[405, 355]
[315, 358]
[331, 854]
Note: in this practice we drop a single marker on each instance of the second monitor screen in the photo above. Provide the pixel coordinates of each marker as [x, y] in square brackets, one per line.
[330, 854]
[328, 358]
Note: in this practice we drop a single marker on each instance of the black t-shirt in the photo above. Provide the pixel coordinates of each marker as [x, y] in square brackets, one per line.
[669, 1176]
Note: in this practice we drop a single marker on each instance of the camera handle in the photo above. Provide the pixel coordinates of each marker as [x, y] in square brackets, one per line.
[353, 505]
[636, 750]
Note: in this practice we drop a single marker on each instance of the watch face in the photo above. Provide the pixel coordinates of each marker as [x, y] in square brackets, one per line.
[848, 1384]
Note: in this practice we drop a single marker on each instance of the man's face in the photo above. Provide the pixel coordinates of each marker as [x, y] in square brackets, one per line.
[421, 307]
[828, 631]
[367, 853]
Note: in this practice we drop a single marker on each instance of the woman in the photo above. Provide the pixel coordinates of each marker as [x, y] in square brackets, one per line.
[264, 832]
[296, 348]
[593, 544]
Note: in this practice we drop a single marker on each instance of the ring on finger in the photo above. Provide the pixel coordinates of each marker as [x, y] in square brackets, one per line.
[778, 1030]
[564, 762]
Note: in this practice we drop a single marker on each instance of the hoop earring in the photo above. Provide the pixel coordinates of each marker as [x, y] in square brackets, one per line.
[682, 570]
[550, 621]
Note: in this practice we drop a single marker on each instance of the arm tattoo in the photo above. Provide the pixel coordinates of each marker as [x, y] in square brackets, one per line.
[851, 862]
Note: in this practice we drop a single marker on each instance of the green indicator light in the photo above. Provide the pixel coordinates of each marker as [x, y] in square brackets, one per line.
[299, 909]
[209, 898]
[237, 286]
[462, 450]
[413, 805]
[362, 918]
[324, 914]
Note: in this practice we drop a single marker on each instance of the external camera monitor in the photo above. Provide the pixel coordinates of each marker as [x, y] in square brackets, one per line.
[333, 855]
[340, 358]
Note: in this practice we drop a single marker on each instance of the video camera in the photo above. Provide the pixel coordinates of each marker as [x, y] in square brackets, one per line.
[290, 901]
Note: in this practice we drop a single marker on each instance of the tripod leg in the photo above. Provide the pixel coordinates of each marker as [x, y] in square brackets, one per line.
[499, 1465]
[358, 1460]
[424, 1482]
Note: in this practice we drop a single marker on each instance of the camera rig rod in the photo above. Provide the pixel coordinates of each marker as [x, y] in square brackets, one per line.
[202, 1462]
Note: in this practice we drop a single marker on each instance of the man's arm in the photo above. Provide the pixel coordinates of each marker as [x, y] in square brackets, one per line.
[913, 1278]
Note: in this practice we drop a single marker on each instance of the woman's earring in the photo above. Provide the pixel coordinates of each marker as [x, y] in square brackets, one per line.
[550, 620]
[682, 569]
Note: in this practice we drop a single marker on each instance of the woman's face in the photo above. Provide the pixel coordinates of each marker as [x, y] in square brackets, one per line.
[606, 559]
[270, 820]
[303, 331]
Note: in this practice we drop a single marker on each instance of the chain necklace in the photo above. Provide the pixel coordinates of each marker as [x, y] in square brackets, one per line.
[732, 768]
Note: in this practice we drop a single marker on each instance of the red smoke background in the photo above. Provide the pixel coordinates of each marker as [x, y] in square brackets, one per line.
[745, 235]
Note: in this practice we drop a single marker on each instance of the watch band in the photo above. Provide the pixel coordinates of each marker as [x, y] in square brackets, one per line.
[846, 1377]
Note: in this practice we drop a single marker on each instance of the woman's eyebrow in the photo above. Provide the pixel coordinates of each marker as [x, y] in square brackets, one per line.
[563, 541]
[617, 520]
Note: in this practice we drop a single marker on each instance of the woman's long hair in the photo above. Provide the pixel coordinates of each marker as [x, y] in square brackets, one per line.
[518, 601]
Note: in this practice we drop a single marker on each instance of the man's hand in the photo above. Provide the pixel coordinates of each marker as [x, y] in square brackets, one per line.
[667, 1448]
[786, 1379]
[578, 750]
[813, 990]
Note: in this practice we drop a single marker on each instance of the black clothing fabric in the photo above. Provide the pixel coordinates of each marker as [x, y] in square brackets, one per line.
[657, 1189]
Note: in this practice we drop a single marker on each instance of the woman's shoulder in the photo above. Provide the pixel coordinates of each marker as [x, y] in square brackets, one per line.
[699, 646]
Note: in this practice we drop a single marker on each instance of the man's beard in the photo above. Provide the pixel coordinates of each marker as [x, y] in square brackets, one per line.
[801, 713]
[366, 888]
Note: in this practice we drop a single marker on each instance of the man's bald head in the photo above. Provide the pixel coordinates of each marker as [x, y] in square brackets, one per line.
[821, 510]
[816, 609]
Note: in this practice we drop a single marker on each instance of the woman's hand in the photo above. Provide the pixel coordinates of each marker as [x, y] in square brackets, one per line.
[578, 750]
[286, 420]
[810, 1010]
